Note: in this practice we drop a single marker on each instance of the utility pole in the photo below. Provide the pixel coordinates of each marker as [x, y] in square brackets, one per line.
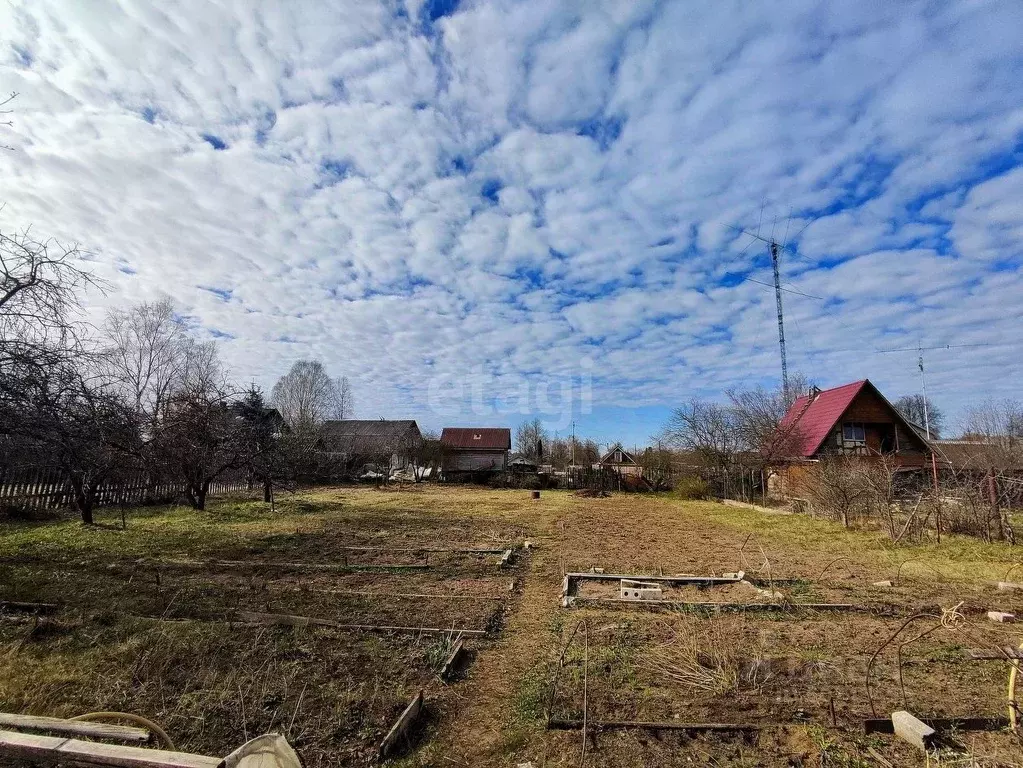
[923, 386]
[781, 320]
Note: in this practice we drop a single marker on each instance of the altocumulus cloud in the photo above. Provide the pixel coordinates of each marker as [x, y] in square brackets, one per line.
[425, 189]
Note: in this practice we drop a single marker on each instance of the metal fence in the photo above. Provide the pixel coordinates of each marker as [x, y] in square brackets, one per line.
[36, 487]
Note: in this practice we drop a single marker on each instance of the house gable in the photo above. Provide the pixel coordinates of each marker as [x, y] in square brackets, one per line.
[834, 420]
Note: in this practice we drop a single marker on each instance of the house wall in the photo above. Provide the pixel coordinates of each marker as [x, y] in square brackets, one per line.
[474, 460]
[876, 416]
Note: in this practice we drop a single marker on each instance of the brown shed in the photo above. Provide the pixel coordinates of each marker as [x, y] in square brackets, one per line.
[474, 449]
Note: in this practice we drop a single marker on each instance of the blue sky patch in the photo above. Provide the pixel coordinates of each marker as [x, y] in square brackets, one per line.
[223, 293]
[214, 141]
[490, 190]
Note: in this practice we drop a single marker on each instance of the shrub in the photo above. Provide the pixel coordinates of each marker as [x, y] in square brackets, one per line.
[691, 488]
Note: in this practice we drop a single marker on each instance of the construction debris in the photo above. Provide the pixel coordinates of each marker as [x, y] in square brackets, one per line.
[640, 590]
[886, 583]
[912, 730]
[400, 730]
[1001, 617]
[52, 750]
[1009, 586]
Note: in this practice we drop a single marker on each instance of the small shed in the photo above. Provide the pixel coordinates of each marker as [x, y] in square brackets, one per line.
[470, 450]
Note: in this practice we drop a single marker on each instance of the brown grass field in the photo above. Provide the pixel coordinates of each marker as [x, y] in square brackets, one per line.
[141, 631]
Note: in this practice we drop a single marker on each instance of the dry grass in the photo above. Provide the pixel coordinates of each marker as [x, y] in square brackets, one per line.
[335, 693]
[707, 657]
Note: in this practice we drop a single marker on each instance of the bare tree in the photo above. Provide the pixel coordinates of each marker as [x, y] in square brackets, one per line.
[201, 437]
[531, 439]
[995, 422]
[706, 429]
[6, 123]
[146, 352]
[921, 410]
[39, 286]
[837, 486]
[306, 396]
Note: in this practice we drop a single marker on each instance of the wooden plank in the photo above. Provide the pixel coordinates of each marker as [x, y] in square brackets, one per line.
[283, 619]
[1007, 653]
[401, 727]
[715, 606]
[51, 750]
[454, 660]
[576, 725]
[16, 607]
[707, 580]
[331, 567]
[884, 724]
[63, 727]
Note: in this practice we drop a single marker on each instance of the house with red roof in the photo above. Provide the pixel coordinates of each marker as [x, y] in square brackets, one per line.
[472, 450]
[851, 420]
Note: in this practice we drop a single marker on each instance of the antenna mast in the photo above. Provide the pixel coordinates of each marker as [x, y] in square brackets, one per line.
[781, 320]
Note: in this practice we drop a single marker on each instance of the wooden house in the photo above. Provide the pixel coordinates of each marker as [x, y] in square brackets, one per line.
[852, 420]
[620, 461]
[474, 450]
[385, 444]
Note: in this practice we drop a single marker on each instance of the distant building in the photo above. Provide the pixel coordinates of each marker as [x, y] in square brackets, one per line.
[852, 420]
[472, 450]
[620, 461]
[383, 443]
[522, 464]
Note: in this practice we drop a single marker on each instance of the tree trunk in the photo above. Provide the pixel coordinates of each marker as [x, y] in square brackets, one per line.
[204, 488]
[84, 498]
[267, 489]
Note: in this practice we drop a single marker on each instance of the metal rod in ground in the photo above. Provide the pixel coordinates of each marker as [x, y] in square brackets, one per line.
[586, 675]
[597, 725]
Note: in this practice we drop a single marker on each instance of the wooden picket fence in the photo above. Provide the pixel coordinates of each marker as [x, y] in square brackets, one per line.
[34, 487]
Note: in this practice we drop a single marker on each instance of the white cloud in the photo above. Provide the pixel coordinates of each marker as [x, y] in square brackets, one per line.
[498, 187]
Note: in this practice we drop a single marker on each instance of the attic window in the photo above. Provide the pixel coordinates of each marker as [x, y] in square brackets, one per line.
[477, 437]
[853, 432]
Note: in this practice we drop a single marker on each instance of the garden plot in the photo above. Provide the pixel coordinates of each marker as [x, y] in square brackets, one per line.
[193, 637]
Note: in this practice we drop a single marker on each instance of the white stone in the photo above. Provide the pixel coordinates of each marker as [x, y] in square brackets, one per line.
[883, 584]
[1009, 586]
[1001, 617]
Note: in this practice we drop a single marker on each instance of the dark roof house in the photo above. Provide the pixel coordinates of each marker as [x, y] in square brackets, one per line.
[372, 440]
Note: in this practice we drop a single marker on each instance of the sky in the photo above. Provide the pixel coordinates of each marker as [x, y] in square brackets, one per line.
[483, 211]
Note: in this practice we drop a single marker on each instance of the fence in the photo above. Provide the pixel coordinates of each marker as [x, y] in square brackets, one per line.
[48, 488]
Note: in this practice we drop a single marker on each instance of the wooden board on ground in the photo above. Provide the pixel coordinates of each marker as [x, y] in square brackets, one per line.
[54, 750]
[401, 726]
[61, 727]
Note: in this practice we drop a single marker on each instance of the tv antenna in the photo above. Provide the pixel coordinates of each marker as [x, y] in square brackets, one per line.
[775, 248]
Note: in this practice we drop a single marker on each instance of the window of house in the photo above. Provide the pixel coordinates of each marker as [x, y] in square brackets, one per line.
[853, 432]
[618, 457]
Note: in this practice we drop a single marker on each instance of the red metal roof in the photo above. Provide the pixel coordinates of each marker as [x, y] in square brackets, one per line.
[809, 423]
[483, 438]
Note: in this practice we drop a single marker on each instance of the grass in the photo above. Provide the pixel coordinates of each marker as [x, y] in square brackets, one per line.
[212, 684]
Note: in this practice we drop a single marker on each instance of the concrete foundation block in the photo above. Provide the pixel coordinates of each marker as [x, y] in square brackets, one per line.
[887, 584]
[912, 731]
[1009, 586]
